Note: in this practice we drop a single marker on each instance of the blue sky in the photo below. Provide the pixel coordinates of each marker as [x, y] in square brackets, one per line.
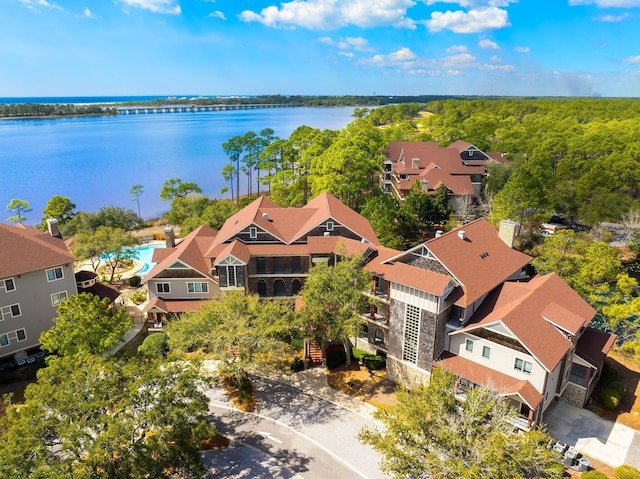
[323, 47]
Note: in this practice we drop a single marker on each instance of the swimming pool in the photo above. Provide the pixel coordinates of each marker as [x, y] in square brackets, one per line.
[144, 255]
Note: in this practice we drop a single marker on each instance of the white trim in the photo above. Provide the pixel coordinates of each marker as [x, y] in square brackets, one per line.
[59, 297]
[163, 284]
[55, 278]
[3, 283]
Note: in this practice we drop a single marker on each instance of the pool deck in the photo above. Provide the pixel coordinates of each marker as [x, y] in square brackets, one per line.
[138, 266]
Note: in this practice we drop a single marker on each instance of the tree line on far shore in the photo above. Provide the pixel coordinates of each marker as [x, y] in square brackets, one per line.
[22, 110]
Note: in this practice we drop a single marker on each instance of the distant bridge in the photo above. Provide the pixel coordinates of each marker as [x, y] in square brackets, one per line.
[145, 110]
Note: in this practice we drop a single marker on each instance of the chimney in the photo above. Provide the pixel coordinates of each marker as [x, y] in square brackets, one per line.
[439, 233]
[508, 231]
[424, 184]
[462, 235]
[265, 216]
[54, 231]
[169, 237]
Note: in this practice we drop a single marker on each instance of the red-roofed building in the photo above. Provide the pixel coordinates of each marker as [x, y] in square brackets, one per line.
[463, 301]
[36, 273]
[268, 250]
[460, 167]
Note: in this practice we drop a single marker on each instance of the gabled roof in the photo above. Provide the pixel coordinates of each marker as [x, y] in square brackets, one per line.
[594, 345]
[406, 274]
[540, 313]
[457, 185]
[484, 376]
[480, 262]
[24, 249]
[291, 224]
[101, 290]
[174, 305]
[190, 251]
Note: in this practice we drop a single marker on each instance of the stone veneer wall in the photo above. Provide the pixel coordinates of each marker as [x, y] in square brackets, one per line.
[426, 339]
[402, 373]
[574, 395]
[396, 329]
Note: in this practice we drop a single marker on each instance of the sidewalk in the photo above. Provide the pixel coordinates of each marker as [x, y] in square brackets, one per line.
[609, 442]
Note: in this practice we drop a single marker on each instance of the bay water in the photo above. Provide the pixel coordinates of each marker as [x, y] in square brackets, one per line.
[95, 160]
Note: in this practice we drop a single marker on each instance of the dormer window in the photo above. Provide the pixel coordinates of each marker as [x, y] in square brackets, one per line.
[415, 163]
[329, 225]
[253, 232]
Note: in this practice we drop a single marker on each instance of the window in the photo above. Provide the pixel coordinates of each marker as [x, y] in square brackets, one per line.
[231, 276]
[3, 340]
[253, 232]
[261, 265]
[329, 225]
[279, 288]
[486, 352]
[411, 334]
[21, 334]
[197, 287]
[469, 346]
[54, 274]
[13, 310]
[163, 288]
[9, 284]
[521, 365]
[57, 297]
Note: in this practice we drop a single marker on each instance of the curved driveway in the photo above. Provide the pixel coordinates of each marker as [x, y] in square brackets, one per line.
[292, 434]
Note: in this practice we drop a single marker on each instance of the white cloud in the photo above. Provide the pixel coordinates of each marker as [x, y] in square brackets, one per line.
[474, 3]
[455, 72]
[613, 18]
[462, 58]
[456, 49]
[156, 6]
[495, 59]
[403, 57]
[346, 54]
[522, 49]
[488, 45]
[87, 13]
[500, 68]
[330, 14]
[34, 4]
[607, 3]
[217, 14]
[357, 43]
[632, 60]
[472, 21]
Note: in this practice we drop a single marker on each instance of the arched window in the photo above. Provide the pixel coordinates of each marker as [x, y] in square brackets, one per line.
[296, 286]
[279, 288]
[262, 288]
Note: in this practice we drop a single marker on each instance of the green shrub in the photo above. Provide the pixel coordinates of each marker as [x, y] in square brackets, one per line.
[374, 362]
[618, 386]
[358, 354]
[134, 281]
[139, 296]
[626, 472]
[153, 346]
[610, 398]
[593, 475]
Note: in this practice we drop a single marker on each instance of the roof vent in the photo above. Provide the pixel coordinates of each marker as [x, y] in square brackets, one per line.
[462, 235]
[439, 233]
[265, 216]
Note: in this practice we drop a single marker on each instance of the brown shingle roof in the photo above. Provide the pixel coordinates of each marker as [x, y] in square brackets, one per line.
[489, 378]
[406, 274]
[525, 309]
[594, 345]
[190, 251]
[175, 305]
[290, 224]
[24, 249]
[480, 262]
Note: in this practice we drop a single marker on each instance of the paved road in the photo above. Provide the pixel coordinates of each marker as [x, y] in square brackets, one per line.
[610, 442]
[292, 434]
